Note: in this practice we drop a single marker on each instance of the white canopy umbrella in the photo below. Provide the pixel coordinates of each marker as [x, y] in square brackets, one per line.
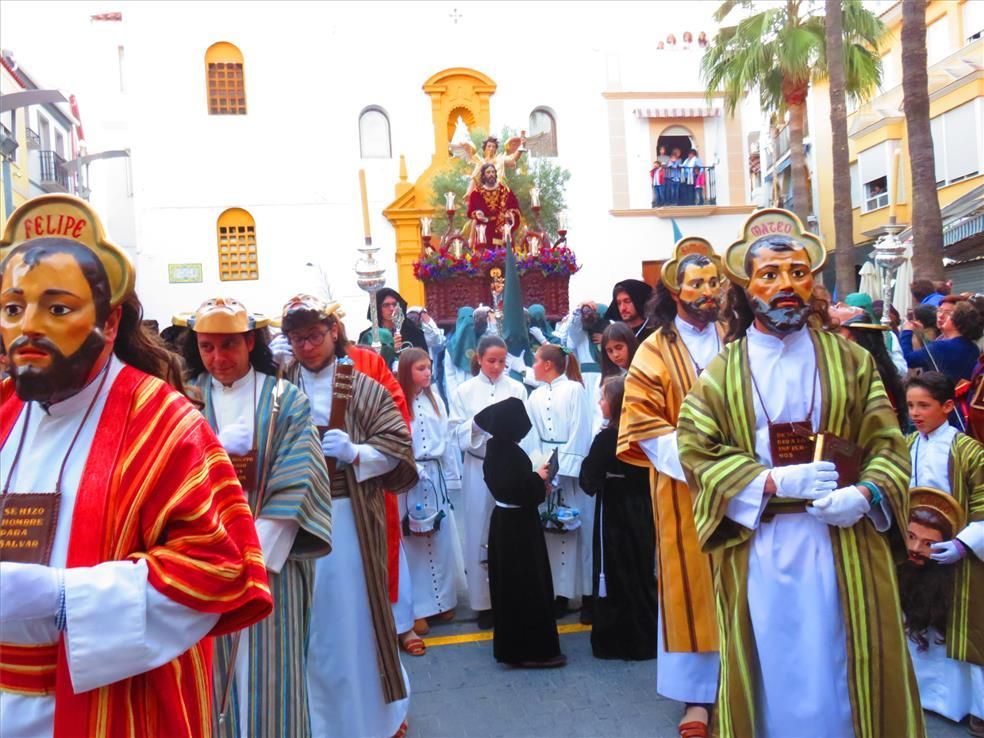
[871, 283]
[902, 297]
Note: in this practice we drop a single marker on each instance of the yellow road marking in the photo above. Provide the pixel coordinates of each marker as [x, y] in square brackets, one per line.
[486, 635]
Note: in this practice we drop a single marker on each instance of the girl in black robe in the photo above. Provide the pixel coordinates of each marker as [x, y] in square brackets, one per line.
[624, 624]
[519, 570]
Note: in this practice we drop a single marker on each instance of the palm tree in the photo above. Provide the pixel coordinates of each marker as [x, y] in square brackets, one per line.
[854, 55]
[927, 223]
[781, 50]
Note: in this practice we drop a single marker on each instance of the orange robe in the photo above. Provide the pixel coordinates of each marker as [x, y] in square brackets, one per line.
[659, 379]
[157, 486]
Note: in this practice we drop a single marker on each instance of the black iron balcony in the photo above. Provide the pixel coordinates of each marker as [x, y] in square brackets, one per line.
[694, 186]
[53, 175]
[33, 140]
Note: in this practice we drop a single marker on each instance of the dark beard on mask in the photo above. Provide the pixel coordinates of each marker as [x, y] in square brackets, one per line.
[63, 378]
[704, 310]
[926, 593]
[780, 320]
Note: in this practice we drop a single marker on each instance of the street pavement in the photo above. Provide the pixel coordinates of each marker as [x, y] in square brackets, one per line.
[459, 691]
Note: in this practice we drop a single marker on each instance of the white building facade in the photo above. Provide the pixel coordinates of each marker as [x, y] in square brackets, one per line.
[275, 180]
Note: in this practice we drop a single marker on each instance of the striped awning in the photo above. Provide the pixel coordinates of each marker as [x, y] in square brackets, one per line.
[677, 112]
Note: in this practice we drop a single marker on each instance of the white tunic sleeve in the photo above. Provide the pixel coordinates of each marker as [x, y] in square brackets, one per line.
[372, 462]
[973, 536]
[572, 453]
[746, 507]
[118, 626]
[276, 539]
[664, 455]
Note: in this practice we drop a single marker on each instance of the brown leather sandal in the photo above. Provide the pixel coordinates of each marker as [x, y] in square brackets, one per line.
[412, 644]
[693, 729]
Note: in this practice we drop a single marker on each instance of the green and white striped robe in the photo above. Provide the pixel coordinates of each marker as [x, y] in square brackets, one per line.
[716, 435]
[296, 488]
[965, 630]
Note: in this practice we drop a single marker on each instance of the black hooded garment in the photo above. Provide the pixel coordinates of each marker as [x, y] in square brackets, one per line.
[519, 569]
[410, 333]
[639, 292]
[624, 621]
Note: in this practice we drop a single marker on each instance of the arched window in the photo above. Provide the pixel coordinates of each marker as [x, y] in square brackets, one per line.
[542, 137]
[374, 134]
[237, 246]
[225, 80]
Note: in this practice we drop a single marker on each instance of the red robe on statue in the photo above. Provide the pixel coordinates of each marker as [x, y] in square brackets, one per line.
[157, 486]
[374, 366]
[494, 205]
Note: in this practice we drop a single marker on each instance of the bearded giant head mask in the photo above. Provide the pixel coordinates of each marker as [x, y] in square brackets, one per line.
[60, 281]
[775, 263]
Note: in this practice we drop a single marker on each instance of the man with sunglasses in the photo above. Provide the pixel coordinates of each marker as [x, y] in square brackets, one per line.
[356, 682]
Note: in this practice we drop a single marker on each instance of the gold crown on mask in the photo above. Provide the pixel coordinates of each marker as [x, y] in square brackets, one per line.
[939, 502]
[221, 315]
[309, 303]
[67, 216]
[770, 223]
[686, 246]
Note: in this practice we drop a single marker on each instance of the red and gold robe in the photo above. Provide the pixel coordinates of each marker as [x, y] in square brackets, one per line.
[494, 204]
[157, 486]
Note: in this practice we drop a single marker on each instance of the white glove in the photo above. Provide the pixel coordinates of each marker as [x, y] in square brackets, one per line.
[805, 481]
[27, 591]
[538, 334]
[515, 363]
[843, 507]
[283, 354]
[337, 444]
[236, 439]
[947, 552]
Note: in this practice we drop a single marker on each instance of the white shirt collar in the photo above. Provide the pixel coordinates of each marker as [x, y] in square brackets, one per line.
[484, 378]
[77, 403]
[559, 379]
[943, 434]
[683, 326]
[789, 342]
[246, 379]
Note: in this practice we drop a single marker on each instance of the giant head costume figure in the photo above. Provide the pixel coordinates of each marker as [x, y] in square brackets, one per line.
[62, 287]
[693, 278]
[774, 264]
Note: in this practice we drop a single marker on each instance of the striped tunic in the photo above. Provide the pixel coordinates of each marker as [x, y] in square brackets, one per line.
[965, 630]
[159, 488]
[717, 446]
[659, 379]
[294, 487]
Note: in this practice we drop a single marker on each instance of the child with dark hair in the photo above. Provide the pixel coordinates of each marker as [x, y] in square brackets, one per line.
[624, 581]
[618, 346]
[519, 570]
[947, 649]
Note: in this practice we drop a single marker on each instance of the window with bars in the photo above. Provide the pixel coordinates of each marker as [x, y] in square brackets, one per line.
[237, 246]
[225, 80]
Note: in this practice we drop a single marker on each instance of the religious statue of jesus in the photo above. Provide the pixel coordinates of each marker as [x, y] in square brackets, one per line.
[493, 208]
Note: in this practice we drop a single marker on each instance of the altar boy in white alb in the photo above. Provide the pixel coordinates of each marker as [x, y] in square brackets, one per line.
[562, 422]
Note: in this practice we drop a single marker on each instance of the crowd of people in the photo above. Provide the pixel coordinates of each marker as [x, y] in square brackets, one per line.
[242, 526]
[677, 179]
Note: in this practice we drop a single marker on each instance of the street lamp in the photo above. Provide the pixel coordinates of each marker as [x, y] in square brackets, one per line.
[73, 165]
